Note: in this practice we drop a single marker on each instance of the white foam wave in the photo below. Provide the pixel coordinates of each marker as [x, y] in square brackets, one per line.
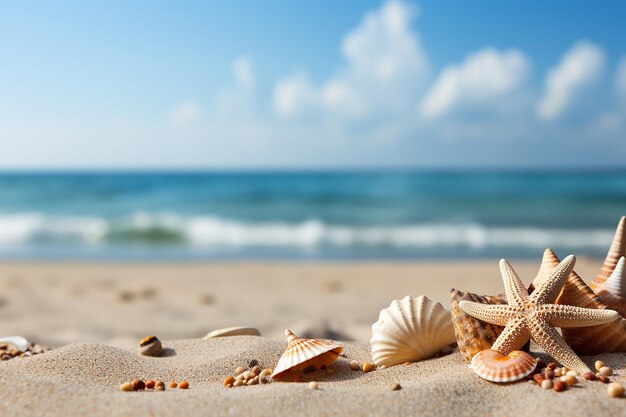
[210, 231]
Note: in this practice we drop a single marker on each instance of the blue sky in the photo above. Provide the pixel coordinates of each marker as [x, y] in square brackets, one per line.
[312, 84]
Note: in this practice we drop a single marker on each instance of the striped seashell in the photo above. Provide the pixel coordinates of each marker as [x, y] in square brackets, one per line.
[493, 366]
[613, 291]
[592, 340]
[616, 251]
[473, 335]
[411, 329]
[305, 355]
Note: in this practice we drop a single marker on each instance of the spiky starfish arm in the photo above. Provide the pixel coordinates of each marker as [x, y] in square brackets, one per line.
[551, 341]
[569, 316]
[514, 289]
[550, 287]
[497, 314]
[513, 337]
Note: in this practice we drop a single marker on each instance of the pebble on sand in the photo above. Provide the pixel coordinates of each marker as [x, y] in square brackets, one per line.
[150, 346]
[313, 385]
[395, 387]
[126, 386]
[354, 365]
[172, 384]
[183, 385]
[546, 384]
[615, 389]
[368, 367]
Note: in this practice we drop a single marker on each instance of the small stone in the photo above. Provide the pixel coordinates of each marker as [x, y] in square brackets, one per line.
[552, 365]
[603, 379]
[239, 370]
[570, 380]
[564, 370]
[354, 365]
[546, 384]
[559, 385]
[183, 385]
[150, 384]
[172, 384]
[313, 385]
[159, 383]
[539, 378]
[229, 381]
[589, 376]
[246, 375]
[159, 388]
[615, 389]
[150, 346]
[572, 372]
[549, 373]
[606, 371]
[256, 370]
[395, 387]
[558, 372]
[263, 380]
[265, 372]
[367, 367]
[126, 386]
[138, 385]
[238, 383]
[253, 363]
[598, 365]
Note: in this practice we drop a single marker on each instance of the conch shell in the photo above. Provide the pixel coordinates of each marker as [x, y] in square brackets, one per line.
[473, 335]
[411, 329]
[616, 251]
[610, 337]
[305, 355]
[612, 292]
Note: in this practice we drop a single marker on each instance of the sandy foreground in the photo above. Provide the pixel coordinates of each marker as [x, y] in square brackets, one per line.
[94, 315]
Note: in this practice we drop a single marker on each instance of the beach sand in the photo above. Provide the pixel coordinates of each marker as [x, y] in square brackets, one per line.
[95, 314]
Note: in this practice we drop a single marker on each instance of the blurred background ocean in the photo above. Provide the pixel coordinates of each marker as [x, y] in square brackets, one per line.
[306, 215]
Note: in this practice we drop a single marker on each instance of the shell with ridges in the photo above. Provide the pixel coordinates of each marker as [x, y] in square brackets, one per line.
[411, 329]
[613, 291]
[616, 251]
[473, 335]
[495, 367]
[305, 354]
[592, 340]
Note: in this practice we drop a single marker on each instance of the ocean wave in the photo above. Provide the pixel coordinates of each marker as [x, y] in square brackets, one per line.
[211, 231]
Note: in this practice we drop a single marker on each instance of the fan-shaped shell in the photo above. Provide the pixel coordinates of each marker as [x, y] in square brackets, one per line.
[592, 340]
[473, 335]
[495, 367]
[411, 329]
[305, 355]
[616, 251]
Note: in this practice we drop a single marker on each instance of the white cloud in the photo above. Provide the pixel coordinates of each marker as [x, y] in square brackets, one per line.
[579, 69]
[385, 66]
[185, 113]
[482, 79]
[243, 71]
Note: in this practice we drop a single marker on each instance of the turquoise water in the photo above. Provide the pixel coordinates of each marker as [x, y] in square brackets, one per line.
[306, 215]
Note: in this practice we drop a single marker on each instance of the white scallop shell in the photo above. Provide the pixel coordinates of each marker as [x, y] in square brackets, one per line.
[411, 329]
[303, 354]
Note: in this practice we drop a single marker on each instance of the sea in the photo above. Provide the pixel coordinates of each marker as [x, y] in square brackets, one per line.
[304, 216]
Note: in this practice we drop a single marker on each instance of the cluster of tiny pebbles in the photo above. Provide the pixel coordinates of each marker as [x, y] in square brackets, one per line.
[365, 367]
[254, 375]
[8, 351]
[550, 376]
[138, 384]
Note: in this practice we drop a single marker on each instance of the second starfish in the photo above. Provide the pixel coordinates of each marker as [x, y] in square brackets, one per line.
[533, 316]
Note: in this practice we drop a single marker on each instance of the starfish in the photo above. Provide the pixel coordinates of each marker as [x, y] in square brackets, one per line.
[535, 317]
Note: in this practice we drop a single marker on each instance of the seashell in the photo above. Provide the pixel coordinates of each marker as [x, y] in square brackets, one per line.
[495, 367]
[613, 291]
[473, 335]
[411, 329]
[592, 340]
[233, 331]
[616, 251]
[150, 346]
[18, 342]
[305, 355]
